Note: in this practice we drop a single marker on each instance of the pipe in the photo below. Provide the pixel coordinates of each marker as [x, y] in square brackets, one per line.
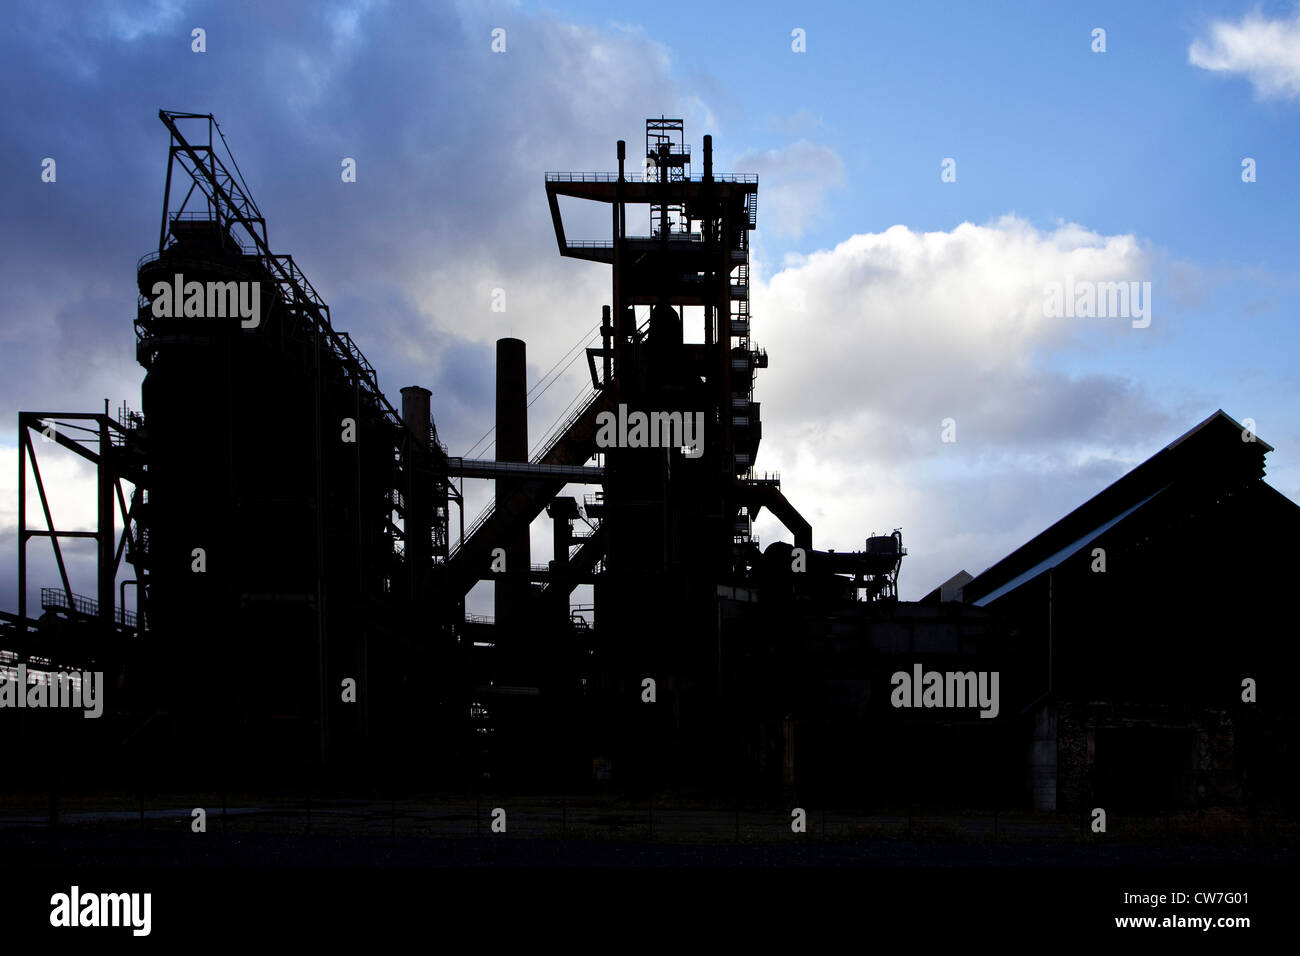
[415, 412]
[511, 592]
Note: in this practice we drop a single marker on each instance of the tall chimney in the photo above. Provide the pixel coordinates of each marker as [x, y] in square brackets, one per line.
[419, 498]
[415, 411]
[512, 445]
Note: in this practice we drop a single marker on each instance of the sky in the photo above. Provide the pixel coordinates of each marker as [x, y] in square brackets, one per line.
[927, 173]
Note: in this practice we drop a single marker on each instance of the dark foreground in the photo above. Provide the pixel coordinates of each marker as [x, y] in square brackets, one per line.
[379, 869]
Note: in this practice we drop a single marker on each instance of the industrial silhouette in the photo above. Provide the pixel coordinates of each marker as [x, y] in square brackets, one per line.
[290, 535]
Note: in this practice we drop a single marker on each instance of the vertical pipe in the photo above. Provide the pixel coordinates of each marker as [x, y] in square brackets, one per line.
[620, 330]
[360, 512]
[663, 197]
[711, 236]
[418, 522]
[416, 413]
[322, 660]
[107, 524]
[512, 445]
[620, 225]
[606, 334]
[22, 526]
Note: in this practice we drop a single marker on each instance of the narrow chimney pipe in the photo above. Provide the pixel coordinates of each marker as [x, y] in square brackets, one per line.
[512, 445]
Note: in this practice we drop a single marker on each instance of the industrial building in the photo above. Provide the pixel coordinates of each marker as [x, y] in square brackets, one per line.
[288, 532]
[1135, 622]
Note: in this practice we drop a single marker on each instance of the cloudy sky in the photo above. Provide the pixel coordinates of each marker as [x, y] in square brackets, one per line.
[926, 173]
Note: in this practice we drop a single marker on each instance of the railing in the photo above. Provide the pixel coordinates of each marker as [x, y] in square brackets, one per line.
[248, 249]
[657, 236]
[296, 291]
[553, 437]
[591, 177]
[53, 599]
[479, 520]
[218, 187]
[586, 177]
[204, 257]
[673, 237]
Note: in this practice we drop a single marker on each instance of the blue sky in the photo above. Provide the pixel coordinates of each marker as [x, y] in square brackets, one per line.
[887, 298]
[1133, 139]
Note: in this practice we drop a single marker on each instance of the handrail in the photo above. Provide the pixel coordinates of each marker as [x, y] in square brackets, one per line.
[221, 191]
[58, 598]
[609, 243]
[547, 444]
[599, 177]
[479, 520]
[295, 289]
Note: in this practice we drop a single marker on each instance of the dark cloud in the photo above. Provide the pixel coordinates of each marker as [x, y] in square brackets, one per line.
[451, 142]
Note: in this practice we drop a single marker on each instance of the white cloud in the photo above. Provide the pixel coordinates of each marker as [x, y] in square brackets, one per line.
[875, 342]
[1266, 51]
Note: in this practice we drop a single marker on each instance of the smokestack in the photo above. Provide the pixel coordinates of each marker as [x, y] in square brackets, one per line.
[512, 445]
[415, 411]
[708, 158]
[419, 505]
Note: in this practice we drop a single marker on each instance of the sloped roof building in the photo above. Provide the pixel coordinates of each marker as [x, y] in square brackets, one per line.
[1152, 633]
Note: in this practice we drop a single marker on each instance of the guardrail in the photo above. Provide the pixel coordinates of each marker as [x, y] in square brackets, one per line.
[296, 291]
[56, 599]
[597, 177]
[553, 437]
